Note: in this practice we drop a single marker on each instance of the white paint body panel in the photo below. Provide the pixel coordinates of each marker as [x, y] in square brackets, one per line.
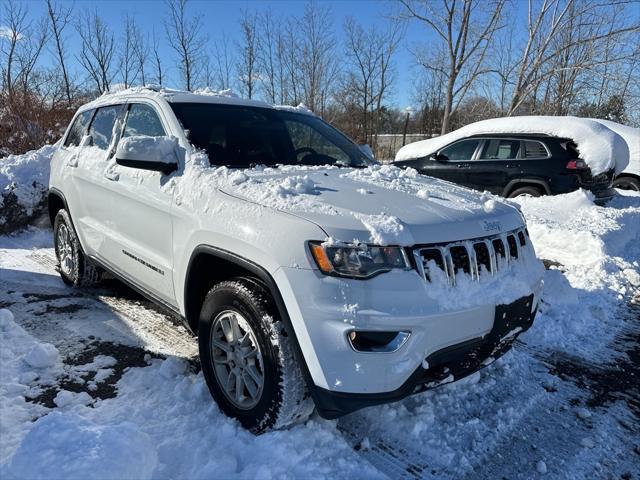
[115, 208]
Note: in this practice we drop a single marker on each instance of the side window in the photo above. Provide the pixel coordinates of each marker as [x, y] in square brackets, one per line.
[101, 129]
[143, 120]
[78, 129]
[535, 149]
[497, 149]
[461, 150]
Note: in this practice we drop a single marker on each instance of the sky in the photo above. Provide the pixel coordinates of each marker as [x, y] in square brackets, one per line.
[222, 18]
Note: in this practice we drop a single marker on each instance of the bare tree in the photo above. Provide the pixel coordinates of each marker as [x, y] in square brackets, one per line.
[562, 36]
[157, 59]
[318, 60]
[141, 53]
[186, 38]
[466, 30]
[59, 18]
[223, 63]
[248, 54]
[129, 64]
[16, 25]
[97, 49]
[270, 57]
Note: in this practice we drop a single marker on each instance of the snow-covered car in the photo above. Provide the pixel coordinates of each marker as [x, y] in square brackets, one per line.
[529, 155]
[311, 275]
[629, 178]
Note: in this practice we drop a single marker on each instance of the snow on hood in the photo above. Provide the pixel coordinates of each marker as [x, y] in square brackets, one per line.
[632, 137]
[599, 146]
[380, 204]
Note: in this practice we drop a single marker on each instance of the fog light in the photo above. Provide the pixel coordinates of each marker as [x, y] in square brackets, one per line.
[377, 342]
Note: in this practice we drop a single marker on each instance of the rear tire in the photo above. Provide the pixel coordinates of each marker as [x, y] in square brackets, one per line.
[247, 358]
[73, 265]
[627, 183]
[530, 191]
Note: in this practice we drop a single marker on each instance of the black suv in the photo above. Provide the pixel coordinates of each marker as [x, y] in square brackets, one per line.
[512, 165]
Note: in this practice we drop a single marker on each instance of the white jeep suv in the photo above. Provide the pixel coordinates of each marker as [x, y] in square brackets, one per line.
[312, 276]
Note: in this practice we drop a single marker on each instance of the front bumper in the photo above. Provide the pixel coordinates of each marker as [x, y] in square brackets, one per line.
[324, 311]
[443, 366]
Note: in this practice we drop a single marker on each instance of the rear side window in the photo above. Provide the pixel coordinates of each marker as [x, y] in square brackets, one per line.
[101, 129]
[143, 120]
[498, 149]
[534, 149]
[78, 129]
[463, 150]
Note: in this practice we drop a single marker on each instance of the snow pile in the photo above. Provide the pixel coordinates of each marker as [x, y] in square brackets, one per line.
[23, 360]
[600, 147]
[143, 147]
[24, 180]
[66, 445]
[301, 108]
[148, 429]
[385, 229]
[296, 185]
[596, 253]
[227, 92]
[632, 137]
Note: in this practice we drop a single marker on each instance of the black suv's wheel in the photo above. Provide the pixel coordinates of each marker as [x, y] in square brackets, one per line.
[247, 358]
[530, 191]
[627, 183]
[73, 266]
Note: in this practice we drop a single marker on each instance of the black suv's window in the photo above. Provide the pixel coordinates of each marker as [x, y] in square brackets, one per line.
[101, 129]
[534, 149]
[78, 129]
[239, 136]
[463, 150]
[142, 120]
[496, 149]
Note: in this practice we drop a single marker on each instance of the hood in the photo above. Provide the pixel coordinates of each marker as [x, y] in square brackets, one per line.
[381, 205]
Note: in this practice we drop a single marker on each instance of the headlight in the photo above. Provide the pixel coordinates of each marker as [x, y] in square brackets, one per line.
[358, 261]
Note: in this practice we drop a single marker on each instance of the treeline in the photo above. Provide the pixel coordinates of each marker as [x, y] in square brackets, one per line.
[479, 59]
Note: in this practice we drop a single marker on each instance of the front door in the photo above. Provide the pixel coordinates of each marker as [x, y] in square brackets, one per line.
[141, 213]
[452, 162]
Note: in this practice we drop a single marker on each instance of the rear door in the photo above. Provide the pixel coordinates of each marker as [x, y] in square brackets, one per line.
[452, 162]
[140, 212]
[498, 161]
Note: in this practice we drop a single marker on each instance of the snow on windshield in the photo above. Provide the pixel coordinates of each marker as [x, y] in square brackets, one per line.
[600, 147]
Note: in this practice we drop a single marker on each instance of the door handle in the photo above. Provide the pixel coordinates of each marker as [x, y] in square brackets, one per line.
[463, 165]
[510, 165]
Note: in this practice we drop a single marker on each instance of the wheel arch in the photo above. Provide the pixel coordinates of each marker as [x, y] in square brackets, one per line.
[56, 201]
[526, 182]
[200, 277]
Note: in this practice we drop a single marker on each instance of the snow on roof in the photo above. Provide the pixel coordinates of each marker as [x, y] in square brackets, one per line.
[203, 95]
[631, 135]
[599, 146]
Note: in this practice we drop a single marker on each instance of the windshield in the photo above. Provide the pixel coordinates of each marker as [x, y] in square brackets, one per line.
[241, 137]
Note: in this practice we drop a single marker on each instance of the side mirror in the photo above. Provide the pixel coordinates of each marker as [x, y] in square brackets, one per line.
[438, 157]
[148, 153]
[87, 141]
[366, 149]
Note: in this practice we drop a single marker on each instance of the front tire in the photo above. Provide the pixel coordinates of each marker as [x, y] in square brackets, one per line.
[73, 266]
[247, 358]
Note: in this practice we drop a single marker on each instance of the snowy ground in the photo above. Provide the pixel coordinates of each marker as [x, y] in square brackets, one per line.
[101, 384]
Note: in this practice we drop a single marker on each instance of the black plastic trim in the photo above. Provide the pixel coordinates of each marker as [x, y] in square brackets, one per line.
[513, 184]
[163, 167]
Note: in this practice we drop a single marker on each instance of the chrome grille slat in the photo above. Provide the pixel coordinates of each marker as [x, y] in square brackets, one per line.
[470, 256]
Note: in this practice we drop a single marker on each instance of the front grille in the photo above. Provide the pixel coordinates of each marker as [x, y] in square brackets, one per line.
[477, 257]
